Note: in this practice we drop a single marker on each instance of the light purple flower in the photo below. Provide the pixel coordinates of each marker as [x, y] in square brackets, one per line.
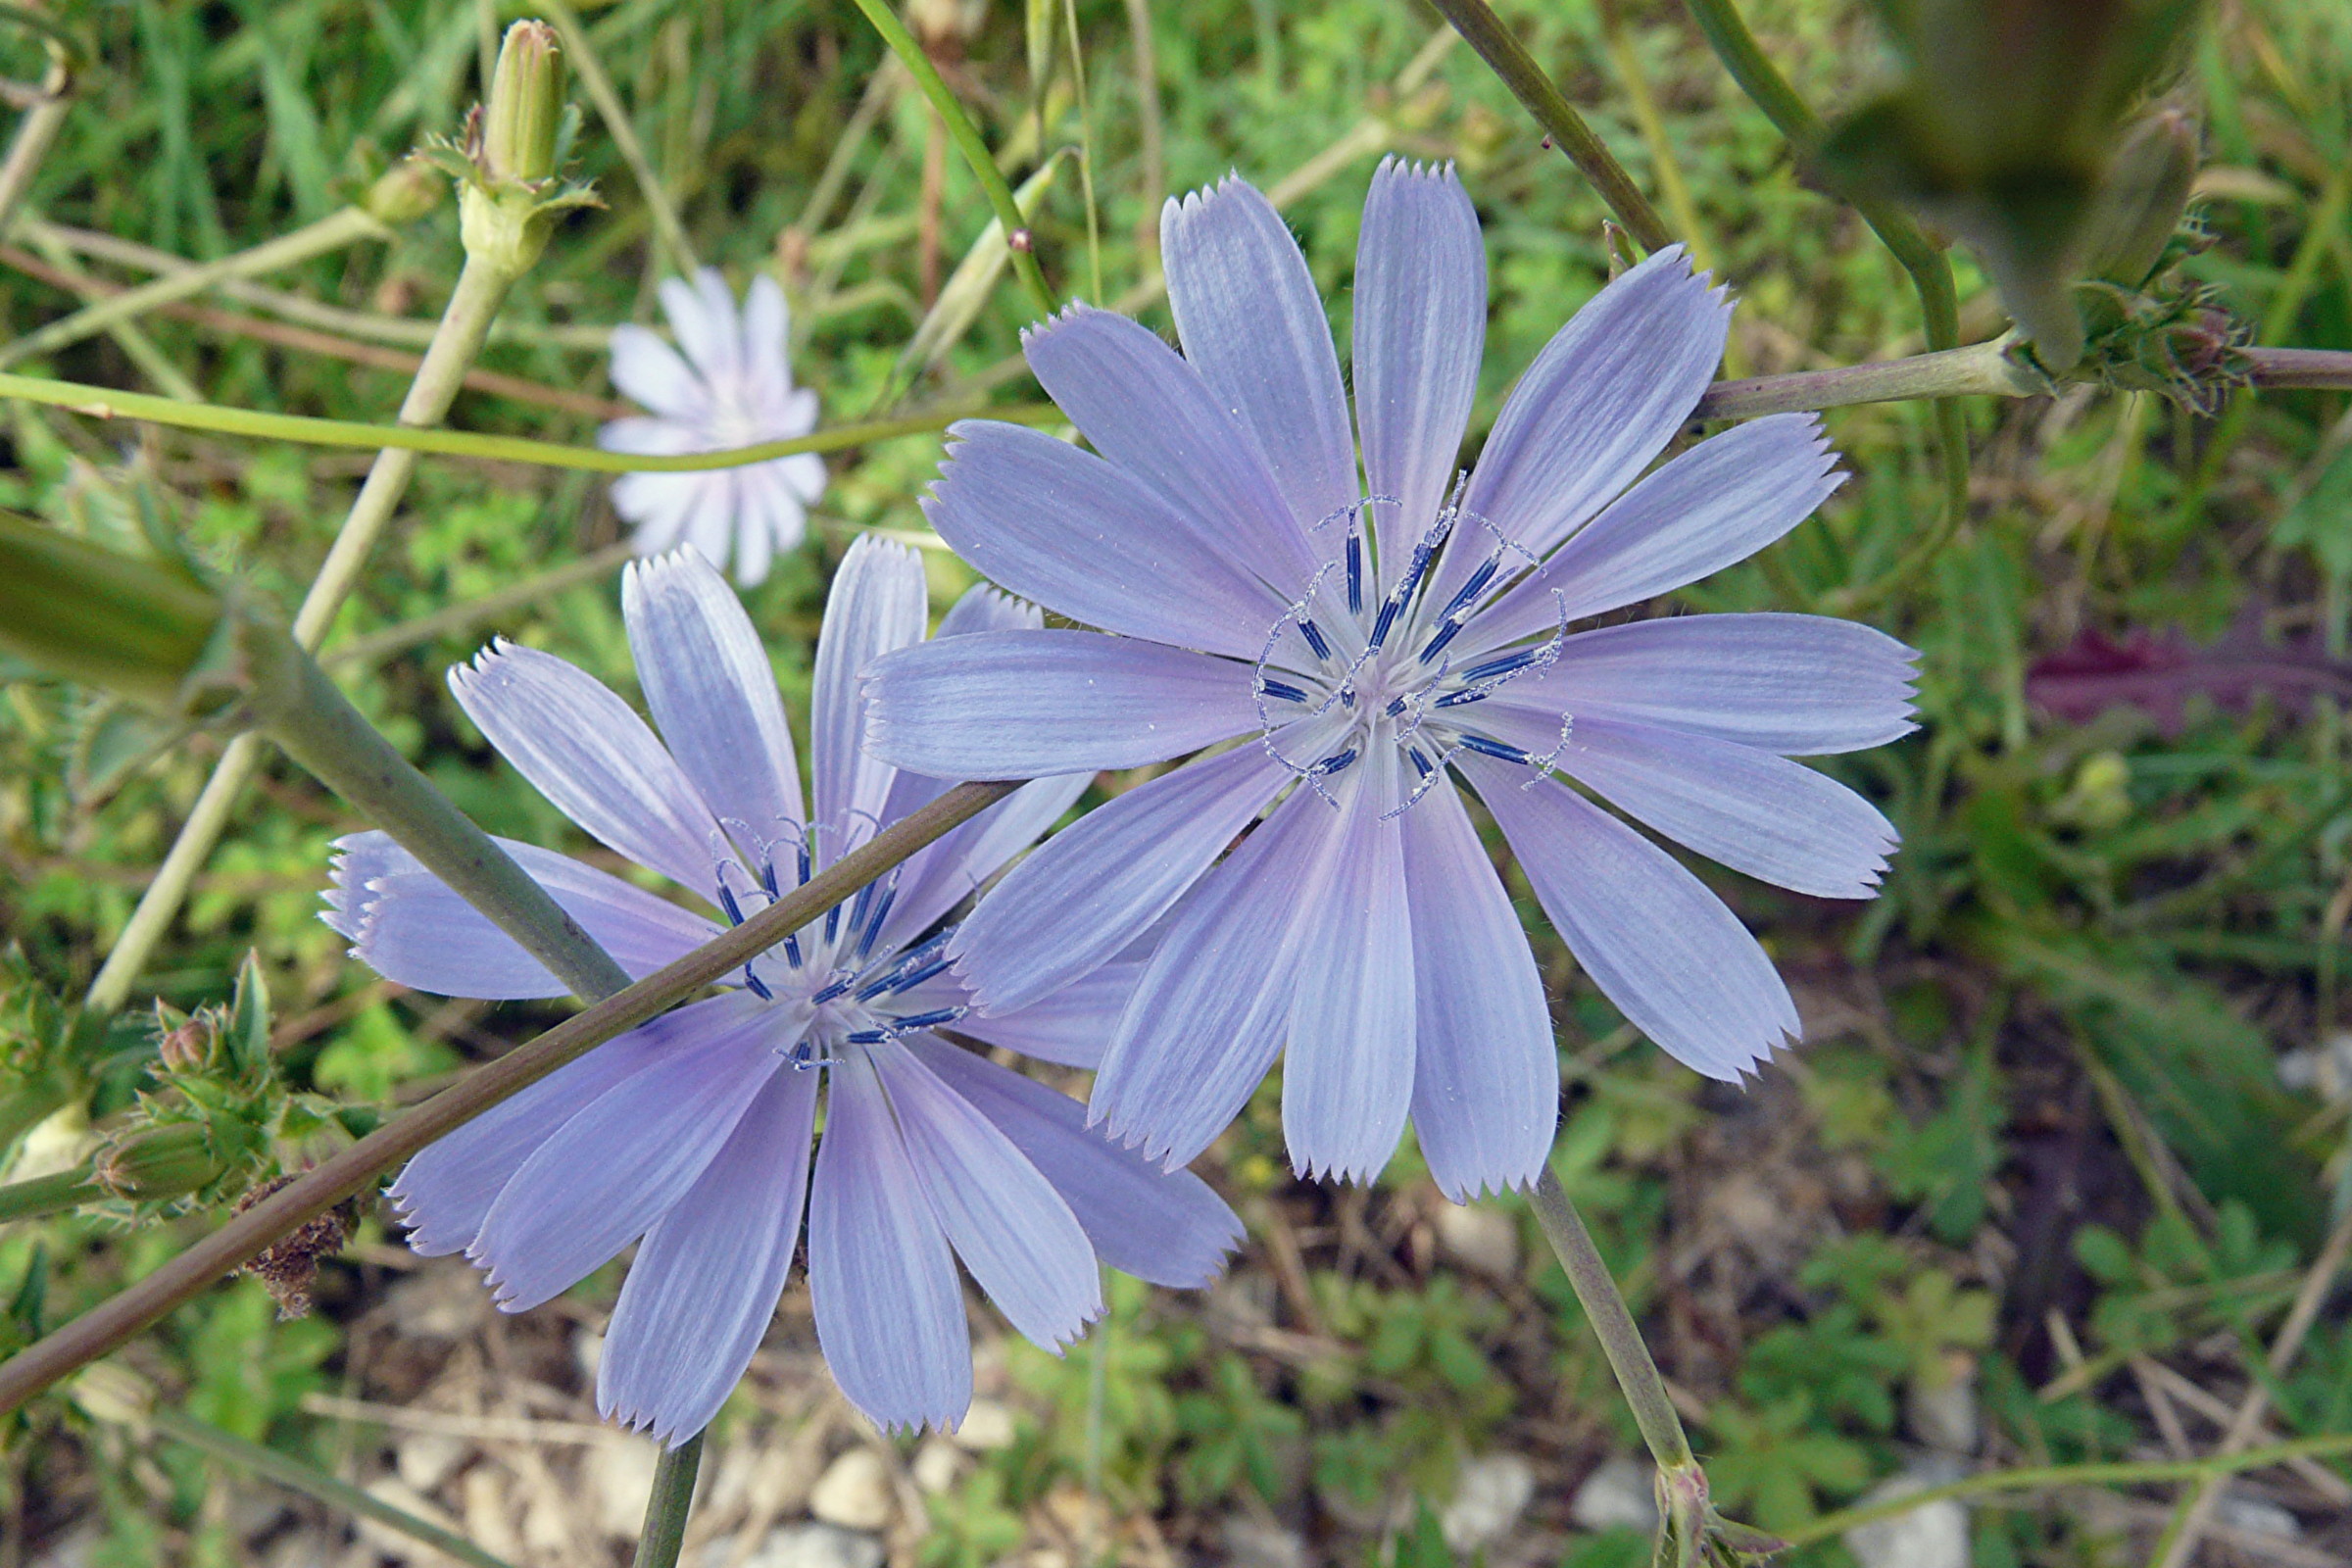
[693, 1132]
[732, 388]
[1356, 642]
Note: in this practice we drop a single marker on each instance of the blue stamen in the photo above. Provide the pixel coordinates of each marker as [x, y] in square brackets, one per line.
[1483, 575]
[1447, 632]
[792, 950]
[869, 1037]
[726, 902]
[839, 988]
[757, 985]
[1279, 688]
[907, 981]
[927, 1020]
[1420, 762]
[1389, 610]
[1488, 747]
[767, 877]
[1355, 572]
[804, 857]
[833, 921]
[1396, 706]
[1461, 699]
[873, 925]
[1507, 665]
[804, 1058]
[1336, 762]
[1315, 637]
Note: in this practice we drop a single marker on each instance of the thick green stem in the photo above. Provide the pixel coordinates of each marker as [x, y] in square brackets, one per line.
[666, 1510]
[1612, 1324]
[37, 1195]
[329, 233]
[481, 288]
[1929, 269]
[312, 1482]
[352, 1170]
[106, 403]
[1509, 60]
[966, 137]
[1981, 367]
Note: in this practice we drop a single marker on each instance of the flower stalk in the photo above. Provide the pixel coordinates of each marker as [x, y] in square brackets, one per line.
[353, 1169]
[36, 132]
[666, 1510]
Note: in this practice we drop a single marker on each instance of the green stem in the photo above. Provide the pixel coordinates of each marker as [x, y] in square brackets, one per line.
[1612, 1324]
[1983, 367]
[329, 233]
[129, 336]
[351, 1170]
[378, 647]
[666, 1510]
[312, 1482]
[1509, 60]
[106, 403]
[37, 133]
[1929, 269]
[473, 304]
[615, 115]
[2111, 1473]
[967, 141]
[37, 1195]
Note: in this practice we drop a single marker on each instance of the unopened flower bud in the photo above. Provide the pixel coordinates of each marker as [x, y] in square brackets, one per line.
[105, 619]
[155, 1164]
[2142, 198]
[405, 193]
[526, 110]
[184, 1049]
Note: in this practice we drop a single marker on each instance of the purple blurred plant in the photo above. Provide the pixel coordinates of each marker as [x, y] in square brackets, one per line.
[2158, 672]
[693, 1132]
[1365, 642]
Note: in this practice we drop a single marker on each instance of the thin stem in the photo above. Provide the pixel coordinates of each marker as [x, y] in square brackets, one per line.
[37, 133]
[329, 233]
[2115, 1473]
[106, 403]
[1085, 153]
[1929, 269]
[129, 336]
[117, 1319]
[474, 612]
[615, 115]
[1151, 160]
[37, 1195]
[1985, 368]
[666, 1510]
[312, 1482]
[1509, 60]
[1612, 1324]
[304, 711]
[1652, 125]
[481, 288]
[967, 138]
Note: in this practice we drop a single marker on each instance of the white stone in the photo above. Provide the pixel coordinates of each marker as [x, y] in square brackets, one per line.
[1620, 1495]
[1251, 1542]
[1944, 1415]
[1489, 1496]
[424, 1459]
[801, 1545]
[1479, 1237]
[2256, 1516]
[1934, 1535]
[619, 1474]
[986, 1426]
[937, 1465]
[855, 1492]
[587, 1354]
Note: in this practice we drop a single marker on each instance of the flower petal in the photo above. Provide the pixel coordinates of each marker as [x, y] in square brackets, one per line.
[1603, 398]
[1072, 1026]
[1801, 685]
[1213, 1004]
[658, 505]
[766, 336]
[1486, 1077]
[1752, 811]
[1165, 1227]
[407, 926]
[1101, 882]
[1660, 946]
[592, 757]
[703, 314]
[611, 1171]
[879, 601]
[1252, 323]
[1713, 506]
[889, 1309]
[650, 372]
[710, 687]
[1032, 703]
[1347, 1076]
[704, 1284]
[1420, 325]
[1145, 407]
[445, 1193]
[1005, 1221]
[1090, 541]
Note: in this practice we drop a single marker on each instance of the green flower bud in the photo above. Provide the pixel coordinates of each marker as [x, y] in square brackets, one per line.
[2140, 203]
[157, 1163]
[404, 193]
[97, 615]
[519, 123]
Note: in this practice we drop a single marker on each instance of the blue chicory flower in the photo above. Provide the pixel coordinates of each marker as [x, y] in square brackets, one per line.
[1359, 642]
[732, 387]
[693, 1132]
